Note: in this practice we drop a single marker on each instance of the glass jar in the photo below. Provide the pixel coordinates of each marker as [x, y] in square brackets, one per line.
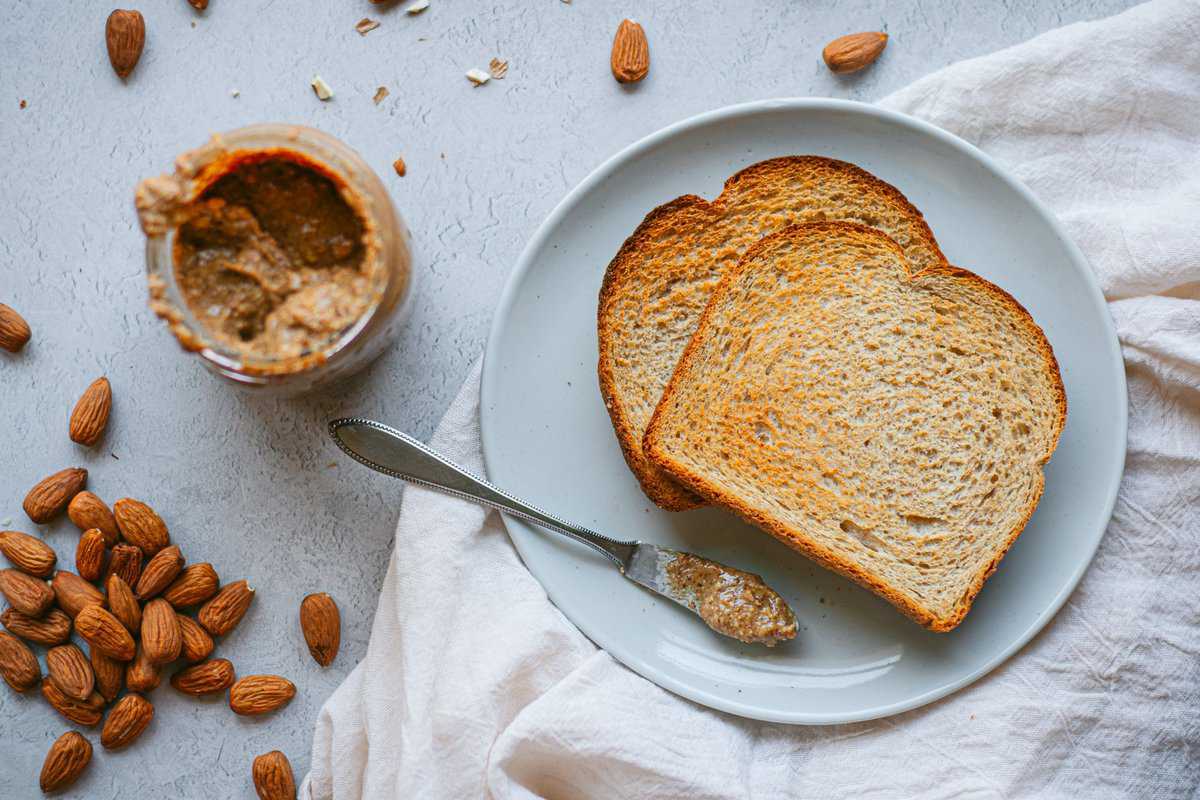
[381, 296]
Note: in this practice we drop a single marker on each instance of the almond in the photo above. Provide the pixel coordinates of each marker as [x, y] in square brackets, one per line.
[103, 631]
[69, 669]
[52, 629]
[322, 627]
[141, 675]
[125, 723]
[126, 561]
[28, 553]
[81, 712]
[14, 330]
[630, 53]
[90, 415]
[197, 644]
[123, 605]
[207, 677]
[50, 496]
[89, 555]
[259, 694]
[25, 593]
[854, 52]
[159, 572]
[125, 36]
[194, 585]
[273, 778]
[221, 614]
[73, 592]
[110, 674]
[161, 639]
[140, 526]
[18, 665]
[68, 758]
[88, 511]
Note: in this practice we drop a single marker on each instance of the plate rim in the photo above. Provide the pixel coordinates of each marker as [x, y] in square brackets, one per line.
[614, 162]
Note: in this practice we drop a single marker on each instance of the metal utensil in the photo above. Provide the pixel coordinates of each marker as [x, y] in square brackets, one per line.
[393, 453]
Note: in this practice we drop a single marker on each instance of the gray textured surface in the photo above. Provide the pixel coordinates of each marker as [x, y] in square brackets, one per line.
[251, 484]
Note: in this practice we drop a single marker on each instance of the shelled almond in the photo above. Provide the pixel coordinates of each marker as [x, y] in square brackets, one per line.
[273, 778]
[126, 722]
[51, 629]
[125, 560]
[159, 572]
[194, 585]
[141, 526]
[224, 611]
[74, 593]
[123, 605]
[70, 670]
[88, 511]
[28, 553]
[18, 665]
[68, 758]
[90, 553]
[50, 496]
[25, 593]
[102, 630]
[89, 418]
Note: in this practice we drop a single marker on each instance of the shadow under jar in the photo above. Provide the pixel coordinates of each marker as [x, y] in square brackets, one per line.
[275, 254]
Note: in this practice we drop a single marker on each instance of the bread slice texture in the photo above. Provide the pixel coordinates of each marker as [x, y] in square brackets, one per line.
[889, 422]
[658, 284]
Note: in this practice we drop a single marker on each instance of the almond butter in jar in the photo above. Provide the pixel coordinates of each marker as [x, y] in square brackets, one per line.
[275, 254]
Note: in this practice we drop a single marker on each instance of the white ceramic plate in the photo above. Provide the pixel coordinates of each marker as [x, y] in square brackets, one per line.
[547, 438]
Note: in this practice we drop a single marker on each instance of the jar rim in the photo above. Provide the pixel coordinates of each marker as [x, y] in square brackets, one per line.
[198, 169]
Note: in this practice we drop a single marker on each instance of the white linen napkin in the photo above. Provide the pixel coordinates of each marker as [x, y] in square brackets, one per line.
[486, 690]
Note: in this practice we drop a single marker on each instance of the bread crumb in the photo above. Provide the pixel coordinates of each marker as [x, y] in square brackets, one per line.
[498, 68]
[417, 7]
[324, 90]
[400, 167]
[365, 26]
[235, 92]
[478, 77]
[380, 94]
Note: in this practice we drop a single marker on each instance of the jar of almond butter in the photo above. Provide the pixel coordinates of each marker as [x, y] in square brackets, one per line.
[274, 253]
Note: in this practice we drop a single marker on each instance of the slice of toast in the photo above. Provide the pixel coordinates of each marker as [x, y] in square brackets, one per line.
[659, 282]
[889, 423]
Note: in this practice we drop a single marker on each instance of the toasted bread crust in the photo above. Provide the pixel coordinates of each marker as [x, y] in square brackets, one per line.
[796, 539]
[626, 274]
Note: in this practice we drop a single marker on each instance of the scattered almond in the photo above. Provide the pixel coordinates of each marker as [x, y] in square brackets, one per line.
[28, 553]
[81, 712]
[90, 416]
[88, 511]
[14, 330]
[74, 593]
[54, 628]
[69, 669]
[126, 561]
[400, 167]
[194, 585]
[498, 68]
[125, 35]
[854, 52]
[68, 758]
[141, 675]
[197, 644]
[89, 555]
[365, 26]
[123, 605]
[322, 89]
[259, 694]
[18, 665]
[102, 630]
[126, 722]
[161, 639]
[208, 677]
[380, 94]
[630, 53]
[478, 77]
[110, 674]
[50, 496]
[273, 778]
[160, 572]
[25, 593]
[322, 627]
[140, 526]
[221, 614]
